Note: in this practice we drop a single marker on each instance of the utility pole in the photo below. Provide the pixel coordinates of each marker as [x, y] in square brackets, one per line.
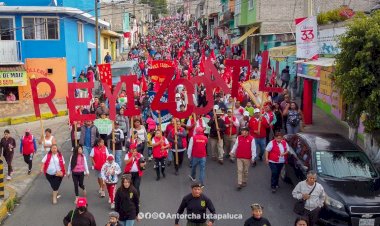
[134, 15]
[96, 33]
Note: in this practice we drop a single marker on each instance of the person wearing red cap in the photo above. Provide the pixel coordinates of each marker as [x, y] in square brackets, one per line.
[80, 216]
[134, 165]
[110, 171]
[160, 151]
[28, 146]
[54, 169]
[197, 153]
[98, 157]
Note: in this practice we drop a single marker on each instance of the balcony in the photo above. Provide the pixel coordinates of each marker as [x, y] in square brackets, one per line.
[10, 52]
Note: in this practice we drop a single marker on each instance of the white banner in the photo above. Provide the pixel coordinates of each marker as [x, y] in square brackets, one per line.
[306, 37]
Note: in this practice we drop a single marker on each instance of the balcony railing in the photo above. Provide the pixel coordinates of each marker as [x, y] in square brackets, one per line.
[10, 52]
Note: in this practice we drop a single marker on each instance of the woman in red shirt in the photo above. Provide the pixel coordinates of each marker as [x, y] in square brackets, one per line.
[160, 151]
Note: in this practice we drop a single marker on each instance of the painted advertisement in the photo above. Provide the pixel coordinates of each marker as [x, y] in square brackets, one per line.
[12, 78]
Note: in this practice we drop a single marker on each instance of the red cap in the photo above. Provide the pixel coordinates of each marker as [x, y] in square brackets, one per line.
[199, 130]
[132, 146]
[81, 202]
[110, 158]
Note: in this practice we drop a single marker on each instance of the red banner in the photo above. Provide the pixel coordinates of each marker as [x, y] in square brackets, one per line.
[105, 74]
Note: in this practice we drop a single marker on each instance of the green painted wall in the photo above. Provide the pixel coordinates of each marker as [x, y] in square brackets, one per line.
[247, 16]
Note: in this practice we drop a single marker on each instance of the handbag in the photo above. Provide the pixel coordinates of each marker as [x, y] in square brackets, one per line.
[59, 173]
[299, 206]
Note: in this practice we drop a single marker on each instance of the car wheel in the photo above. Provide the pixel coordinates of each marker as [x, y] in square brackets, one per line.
[284, 176]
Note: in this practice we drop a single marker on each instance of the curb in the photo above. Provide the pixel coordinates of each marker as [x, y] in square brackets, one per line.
[4, 206]
[30, 118]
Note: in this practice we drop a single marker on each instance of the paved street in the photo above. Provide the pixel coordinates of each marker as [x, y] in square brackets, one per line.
[162, 196]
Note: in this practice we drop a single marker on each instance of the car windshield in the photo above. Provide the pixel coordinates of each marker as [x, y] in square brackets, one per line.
[345, 165]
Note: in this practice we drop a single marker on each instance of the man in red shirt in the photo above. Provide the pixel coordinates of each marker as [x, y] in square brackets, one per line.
[258, 126]
[196, 152]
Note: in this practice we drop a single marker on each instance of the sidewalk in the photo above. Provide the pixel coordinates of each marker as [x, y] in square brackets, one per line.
[21, 181]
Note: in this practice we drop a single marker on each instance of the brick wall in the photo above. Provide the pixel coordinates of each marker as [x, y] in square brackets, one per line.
[278, 16]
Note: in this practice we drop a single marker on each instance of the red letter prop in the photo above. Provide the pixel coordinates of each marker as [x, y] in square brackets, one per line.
[129, 81]
[73, 102]
[112, 98]
[236, 65]
[216, 80]
[43, 100]
[197, 80]
[169, 72]
[263, 75]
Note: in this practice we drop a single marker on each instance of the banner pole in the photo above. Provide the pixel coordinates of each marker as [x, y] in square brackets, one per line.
[113, 138]
[217, 125]
[75, 134]
[175, 141]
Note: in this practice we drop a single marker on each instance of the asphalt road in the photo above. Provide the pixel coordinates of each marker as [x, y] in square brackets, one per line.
[163, 196]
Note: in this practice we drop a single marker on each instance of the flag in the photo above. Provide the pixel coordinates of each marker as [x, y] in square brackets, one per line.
[190, 67]
[202, 63]
[243, 54]
[105, 74]
[273, 78]
[212, 55]
[144, 85]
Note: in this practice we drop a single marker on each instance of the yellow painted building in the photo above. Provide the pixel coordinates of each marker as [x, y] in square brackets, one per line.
[110, 43]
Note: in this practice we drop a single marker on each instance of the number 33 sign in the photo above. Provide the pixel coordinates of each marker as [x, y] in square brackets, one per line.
[306, 38]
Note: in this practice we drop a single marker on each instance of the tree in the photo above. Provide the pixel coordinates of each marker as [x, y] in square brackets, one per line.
[158, 7]
[357, 76]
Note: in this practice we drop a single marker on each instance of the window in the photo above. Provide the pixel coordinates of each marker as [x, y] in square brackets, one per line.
[80, 32]
[250, 4]
[41, 28]
[237, 6]
[105, 43]
[7, 29]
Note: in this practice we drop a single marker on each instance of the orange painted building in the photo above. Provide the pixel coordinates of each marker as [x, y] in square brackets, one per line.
[51, 68]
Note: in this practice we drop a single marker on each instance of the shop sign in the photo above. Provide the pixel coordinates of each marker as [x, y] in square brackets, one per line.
[13, 78]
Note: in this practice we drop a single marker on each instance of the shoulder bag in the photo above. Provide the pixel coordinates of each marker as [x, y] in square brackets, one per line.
[299, 206]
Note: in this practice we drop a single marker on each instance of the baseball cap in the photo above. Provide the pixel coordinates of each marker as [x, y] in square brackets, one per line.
[245, 128]
[199, 130]
[246, 113]
[110, 157]
[196, 185]
[256, 110]
[81, 202]
[132, 146]
[114, 214]
[229, 110]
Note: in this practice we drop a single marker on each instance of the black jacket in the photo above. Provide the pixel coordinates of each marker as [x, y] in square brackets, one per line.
[197, 206]
[213, 131]
[127, 203]
[84, 219]
[257, 222]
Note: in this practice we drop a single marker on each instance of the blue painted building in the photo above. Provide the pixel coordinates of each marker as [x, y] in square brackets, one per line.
[40, 29]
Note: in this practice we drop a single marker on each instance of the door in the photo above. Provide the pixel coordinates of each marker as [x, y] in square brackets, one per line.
[89, 57]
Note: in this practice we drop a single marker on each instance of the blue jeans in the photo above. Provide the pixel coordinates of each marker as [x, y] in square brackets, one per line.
[118, 154]
[291, 129]
[87, 152]
[202, 164]
[128, 222]
[276, 171]
[260, 143]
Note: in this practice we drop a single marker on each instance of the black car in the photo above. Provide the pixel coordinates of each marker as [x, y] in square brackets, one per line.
[350, 180]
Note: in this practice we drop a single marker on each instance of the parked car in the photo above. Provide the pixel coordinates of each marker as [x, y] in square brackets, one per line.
[350, 180]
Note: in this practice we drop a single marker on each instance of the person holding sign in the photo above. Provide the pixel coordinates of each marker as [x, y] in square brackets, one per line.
[98, 157]
[217, 130]
[160, 151]
[232, 126]
[177, 139]
[258, 126]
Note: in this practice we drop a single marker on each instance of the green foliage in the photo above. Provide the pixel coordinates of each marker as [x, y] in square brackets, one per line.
[333, 16]
[357, 73]
[158, 7]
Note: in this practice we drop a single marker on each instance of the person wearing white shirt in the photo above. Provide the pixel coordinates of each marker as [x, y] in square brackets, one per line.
[275, 156]
[244, 150]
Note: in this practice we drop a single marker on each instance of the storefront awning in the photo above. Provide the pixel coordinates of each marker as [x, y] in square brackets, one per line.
[312, 69]
[243, 37]
[282, 51]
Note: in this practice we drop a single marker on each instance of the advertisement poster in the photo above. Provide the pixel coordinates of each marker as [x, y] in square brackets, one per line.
[306, 38]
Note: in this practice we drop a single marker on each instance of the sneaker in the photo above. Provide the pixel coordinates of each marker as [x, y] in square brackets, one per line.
[9, 177]
[163, 175]
[232, 161]
[192, 178]
[274, 190]
[254, 164]
[244, 184]
[29, 172]
[59, 196]
[150, 158]
[220, 162]
[103, 194]
[100, 190]
[112, 206]
[239, 187]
